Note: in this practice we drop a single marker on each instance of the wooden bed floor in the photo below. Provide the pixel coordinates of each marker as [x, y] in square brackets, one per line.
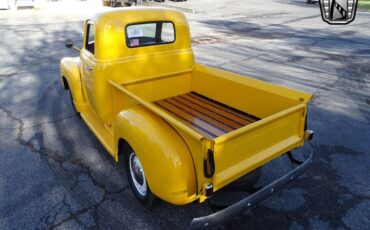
[206, 116]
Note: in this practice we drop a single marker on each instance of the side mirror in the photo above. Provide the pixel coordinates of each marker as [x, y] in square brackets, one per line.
[68, 43]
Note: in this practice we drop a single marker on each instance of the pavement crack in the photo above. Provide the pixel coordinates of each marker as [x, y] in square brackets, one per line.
[44, 123]
[19, 122]
[7, 75]
[47, 219]
[74, 215]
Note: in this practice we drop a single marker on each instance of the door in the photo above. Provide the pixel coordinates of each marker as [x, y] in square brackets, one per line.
[89, 64]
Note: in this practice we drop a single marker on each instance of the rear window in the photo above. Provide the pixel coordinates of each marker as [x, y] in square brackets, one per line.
[152, 33]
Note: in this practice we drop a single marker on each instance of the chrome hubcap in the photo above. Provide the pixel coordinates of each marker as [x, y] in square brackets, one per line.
[137, 174]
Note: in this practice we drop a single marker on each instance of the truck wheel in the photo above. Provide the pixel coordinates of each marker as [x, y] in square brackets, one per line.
[137, 180]
[73, 105]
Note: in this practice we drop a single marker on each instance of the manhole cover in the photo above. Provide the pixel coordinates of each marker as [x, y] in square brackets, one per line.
[205, 40]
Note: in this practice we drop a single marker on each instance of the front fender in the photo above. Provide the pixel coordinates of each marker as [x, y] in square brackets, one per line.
[166, 159]
[70, 70]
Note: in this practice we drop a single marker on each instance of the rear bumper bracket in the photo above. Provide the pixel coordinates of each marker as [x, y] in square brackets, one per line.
[231, 211]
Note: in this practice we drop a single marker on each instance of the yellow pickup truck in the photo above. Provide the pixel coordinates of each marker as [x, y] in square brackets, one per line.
[184, 130]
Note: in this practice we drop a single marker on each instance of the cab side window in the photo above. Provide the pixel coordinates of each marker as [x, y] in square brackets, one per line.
[90, 41]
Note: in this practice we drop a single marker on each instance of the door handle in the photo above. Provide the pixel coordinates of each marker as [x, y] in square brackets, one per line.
[89, 68]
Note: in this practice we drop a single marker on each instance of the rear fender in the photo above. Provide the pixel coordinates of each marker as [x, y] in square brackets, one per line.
[167, 162]
[70, 74]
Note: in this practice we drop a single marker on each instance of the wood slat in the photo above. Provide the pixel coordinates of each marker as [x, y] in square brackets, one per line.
[195, 122]
[220, 111]
[229, 122]
[208, 117]
[223, 107]
[199, 115]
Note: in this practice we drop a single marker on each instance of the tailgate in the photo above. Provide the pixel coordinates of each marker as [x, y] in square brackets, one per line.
[245, 149]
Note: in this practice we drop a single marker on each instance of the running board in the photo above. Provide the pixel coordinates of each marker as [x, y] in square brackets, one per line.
[104, 135]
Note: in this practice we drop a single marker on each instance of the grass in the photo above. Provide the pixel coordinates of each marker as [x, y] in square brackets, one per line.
[364, 4]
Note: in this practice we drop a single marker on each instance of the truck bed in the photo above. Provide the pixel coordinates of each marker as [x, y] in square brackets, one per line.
[246, 122]
[207, 116]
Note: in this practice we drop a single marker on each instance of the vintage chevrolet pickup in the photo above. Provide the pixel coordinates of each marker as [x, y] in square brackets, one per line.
[184, 130]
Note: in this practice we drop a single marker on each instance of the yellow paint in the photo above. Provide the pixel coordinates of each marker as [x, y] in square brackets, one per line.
[70, 70]
[104, 134]
[165, 158]
[115, 99]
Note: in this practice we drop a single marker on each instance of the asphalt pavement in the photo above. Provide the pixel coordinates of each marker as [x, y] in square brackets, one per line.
[54, 174]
